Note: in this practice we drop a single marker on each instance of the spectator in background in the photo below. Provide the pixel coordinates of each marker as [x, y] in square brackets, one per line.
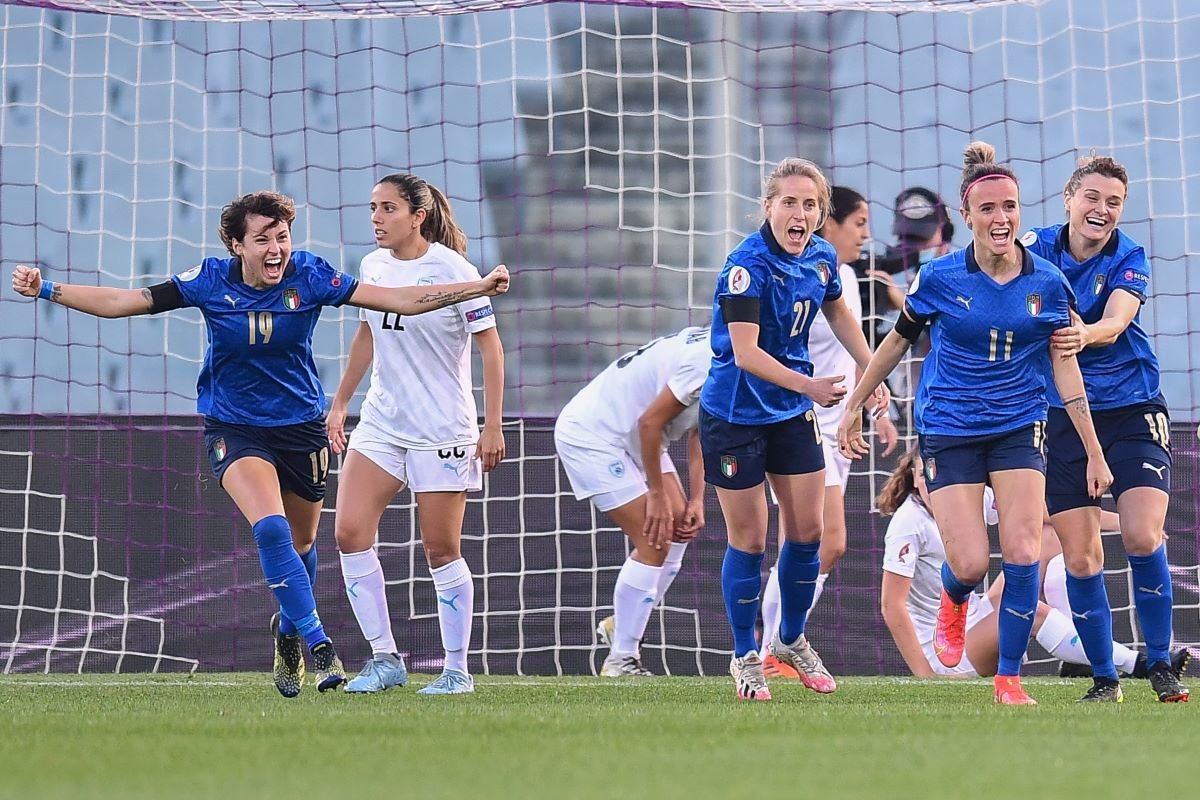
[923, 232]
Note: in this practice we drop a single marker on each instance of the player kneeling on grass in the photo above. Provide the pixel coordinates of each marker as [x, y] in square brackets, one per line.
[981, 409]
[610, 439]
[259, 393]
[912, 585]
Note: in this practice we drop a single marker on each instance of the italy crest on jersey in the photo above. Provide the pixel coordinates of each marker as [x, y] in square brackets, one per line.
[931, 469]
[291, 299]
[823, 272]
[219, 449]
[1098, 286]
[1033, 304]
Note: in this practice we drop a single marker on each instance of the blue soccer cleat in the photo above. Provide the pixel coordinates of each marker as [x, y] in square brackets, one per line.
[381, 673]
[451, 681]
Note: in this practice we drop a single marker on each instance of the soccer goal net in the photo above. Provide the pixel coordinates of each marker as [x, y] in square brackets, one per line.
[610, 153]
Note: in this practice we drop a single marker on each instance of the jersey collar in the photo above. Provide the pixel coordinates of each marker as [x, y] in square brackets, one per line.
[1026, 259]
[769, 238]
[1063, 240]
[235, 269]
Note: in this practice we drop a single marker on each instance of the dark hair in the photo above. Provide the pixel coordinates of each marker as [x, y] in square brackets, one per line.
[439, 225]
[1093, 164]
[979, 161]
[844, 201]
[941, 216]
[899, 485]
[803, 168]
[272, 205]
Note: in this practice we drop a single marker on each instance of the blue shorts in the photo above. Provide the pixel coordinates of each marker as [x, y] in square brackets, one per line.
[951, 460]
[1137, 446]
[740, 456]
[299, 452]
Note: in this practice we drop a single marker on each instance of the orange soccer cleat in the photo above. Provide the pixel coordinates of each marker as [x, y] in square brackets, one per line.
[774, 668]
[950, 632]
[1009, 691]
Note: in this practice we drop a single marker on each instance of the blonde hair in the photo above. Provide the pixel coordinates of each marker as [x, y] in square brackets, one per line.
[800, 168]
[979, 163]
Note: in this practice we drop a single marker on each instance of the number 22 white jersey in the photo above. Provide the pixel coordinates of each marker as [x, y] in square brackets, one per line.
[421, 394]
[607, 409]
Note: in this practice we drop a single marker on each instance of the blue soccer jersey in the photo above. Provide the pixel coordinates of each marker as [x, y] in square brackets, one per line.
[259, 368]
[790, 290]
[989, 364]
[1125, 372]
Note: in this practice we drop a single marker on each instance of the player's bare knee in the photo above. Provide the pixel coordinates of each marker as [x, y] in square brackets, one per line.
[1141, 539]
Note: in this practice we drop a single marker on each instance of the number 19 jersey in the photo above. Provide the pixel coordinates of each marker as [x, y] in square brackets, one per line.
[259, 368]
[421, 394]
[989, 363]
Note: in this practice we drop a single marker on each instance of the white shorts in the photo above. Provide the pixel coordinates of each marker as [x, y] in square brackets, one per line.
[448, 469]
[980, 607]
[609, 475]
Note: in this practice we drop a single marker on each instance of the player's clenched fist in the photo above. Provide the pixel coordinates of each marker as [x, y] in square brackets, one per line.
[496, 281]
[27, 280]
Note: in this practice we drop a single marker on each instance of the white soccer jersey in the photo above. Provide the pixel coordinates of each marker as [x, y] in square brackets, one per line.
[913, 549]
[829, 357]
[607, 409]
[421, 395]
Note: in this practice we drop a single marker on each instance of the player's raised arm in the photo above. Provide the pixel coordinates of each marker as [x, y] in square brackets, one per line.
[100, 301]
[412, 300]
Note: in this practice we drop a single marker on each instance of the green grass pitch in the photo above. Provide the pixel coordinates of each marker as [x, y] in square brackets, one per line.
[231, 736]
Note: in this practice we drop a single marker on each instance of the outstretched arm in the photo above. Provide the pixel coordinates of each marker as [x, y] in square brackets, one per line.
[101, 301]
[412, 300]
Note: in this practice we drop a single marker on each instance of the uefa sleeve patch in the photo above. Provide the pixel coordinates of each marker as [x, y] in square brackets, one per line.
[476, 314]
[1028, 238]
[190, 275]
[916, 282]
[739, 280]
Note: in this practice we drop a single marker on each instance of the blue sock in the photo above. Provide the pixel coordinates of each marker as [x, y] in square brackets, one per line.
[1093, 621]
[1018, 604]
[285, 574]
[741, 583]
[286, 626]
[958, 591]
[799, 564]
[1153, 600]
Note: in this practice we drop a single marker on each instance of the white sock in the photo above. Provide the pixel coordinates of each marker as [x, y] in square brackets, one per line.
[363, 577]
[670, 568]
[1054, 585]
[821, 578]
[1124, 659]
[634, 597]
[771, 612]
[456, 606]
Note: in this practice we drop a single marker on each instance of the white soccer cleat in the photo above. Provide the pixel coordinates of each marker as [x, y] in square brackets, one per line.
[621, 666]
[801, 656]
[748, 677]
[606, 630]
[451, 681]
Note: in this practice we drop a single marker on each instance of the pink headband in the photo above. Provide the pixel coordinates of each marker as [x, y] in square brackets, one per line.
[987, 177]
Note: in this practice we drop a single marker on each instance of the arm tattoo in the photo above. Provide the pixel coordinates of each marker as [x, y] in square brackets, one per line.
[442, 299]
[56, 293]
[148, 297]
[1078, 404]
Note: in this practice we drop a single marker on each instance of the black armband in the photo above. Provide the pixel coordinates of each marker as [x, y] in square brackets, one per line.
[165, 296]
[908, 327]
[740, 309]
